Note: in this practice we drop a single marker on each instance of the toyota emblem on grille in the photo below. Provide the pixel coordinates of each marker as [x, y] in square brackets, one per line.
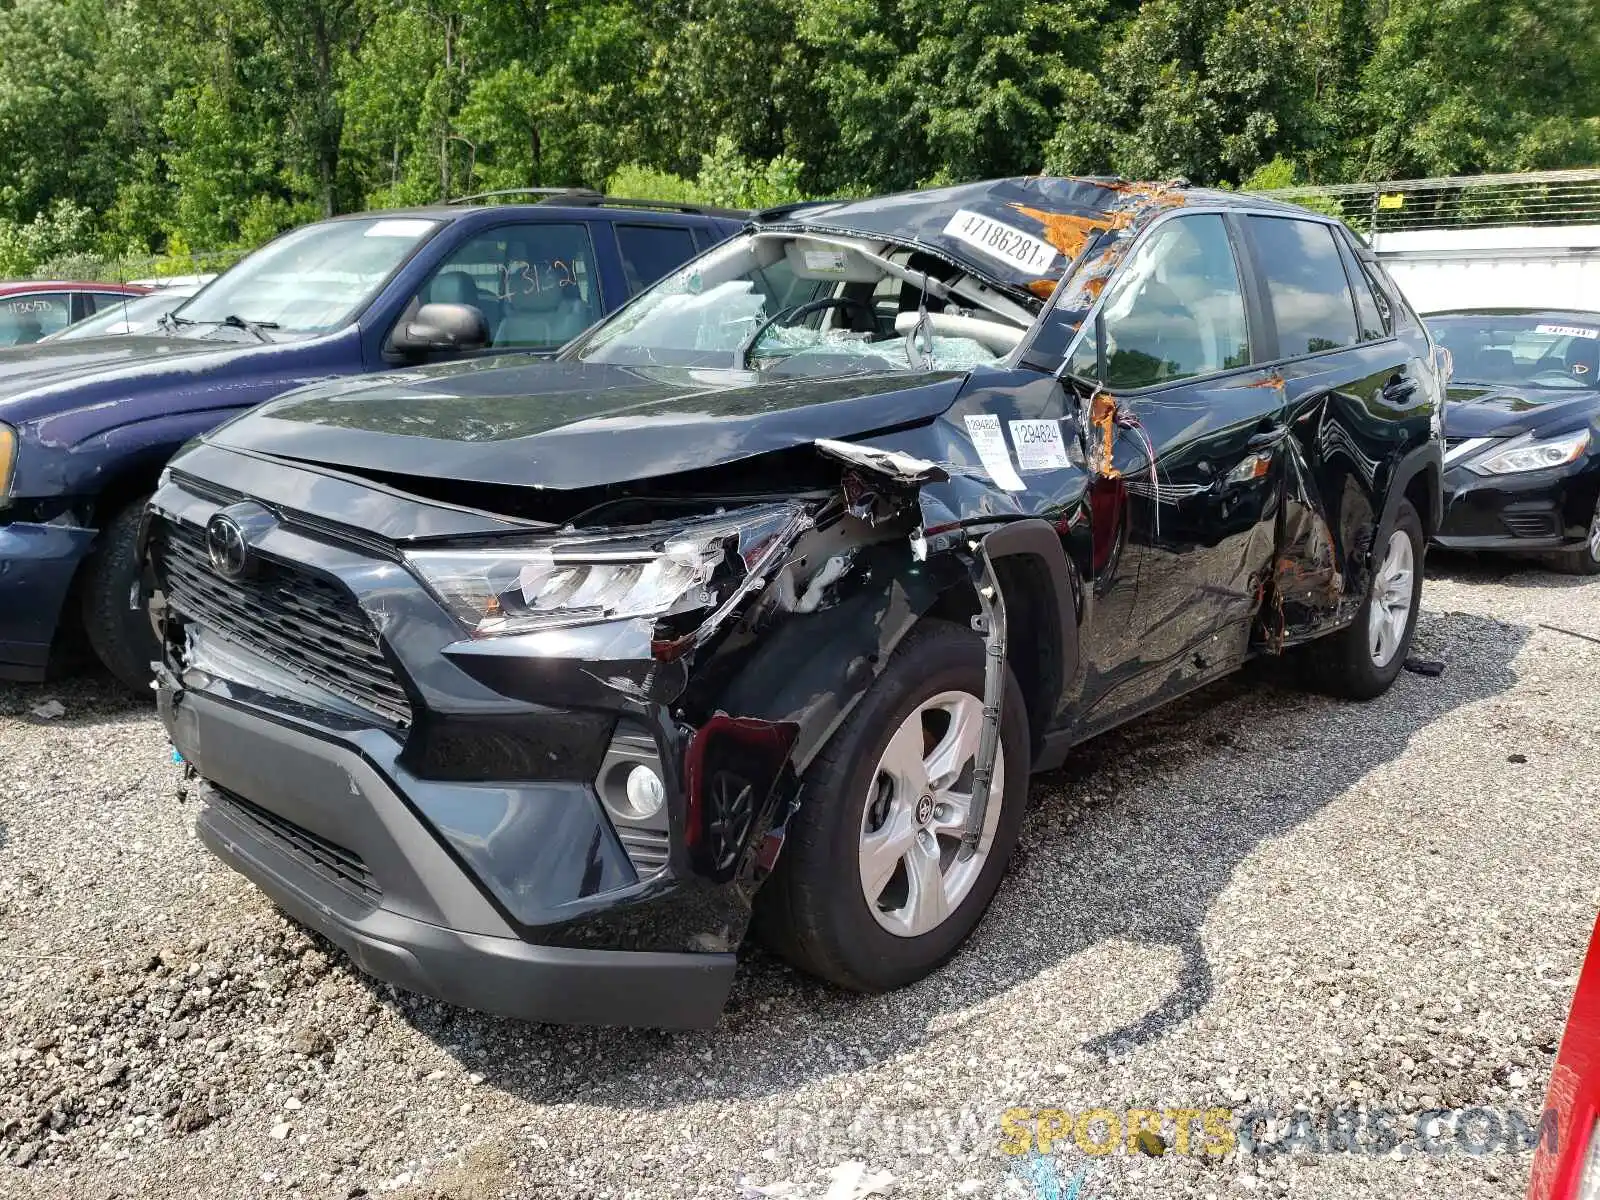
[225, 546]
[230, 534]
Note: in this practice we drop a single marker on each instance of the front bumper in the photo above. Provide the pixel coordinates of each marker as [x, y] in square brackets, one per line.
[434, 805]
[322, 830]
[37, 565]
[1533, 511]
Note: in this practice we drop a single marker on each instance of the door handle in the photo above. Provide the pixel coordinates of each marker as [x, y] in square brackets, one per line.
[1399, 389]
[1268, 435]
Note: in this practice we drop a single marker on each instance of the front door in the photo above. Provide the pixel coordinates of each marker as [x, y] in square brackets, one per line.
[1184, 519]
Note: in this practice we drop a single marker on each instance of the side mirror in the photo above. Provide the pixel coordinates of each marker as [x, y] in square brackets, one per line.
[437, 327]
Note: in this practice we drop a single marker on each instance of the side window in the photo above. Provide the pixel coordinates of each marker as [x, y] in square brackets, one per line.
[1397, 310]
[535, 284]
[652, 252]
[1175, 310]
[1372, 315]
[94, 302]
[1305, 281]
[25, 319]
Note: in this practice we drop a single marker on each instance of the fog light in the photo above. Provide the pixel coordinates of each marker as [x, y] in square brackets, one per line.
[646, 793]
[632, 785]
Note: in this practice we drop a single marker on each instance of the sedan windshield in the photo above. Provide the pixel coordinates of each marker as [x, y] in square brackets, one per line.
[811, 305]
[1523, 351]
[310, 280]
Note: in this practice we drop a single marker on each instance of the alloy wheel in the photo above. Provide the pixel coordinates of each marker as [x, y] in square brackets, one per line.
[912, 875]
[1390, 610]
[1594, 534]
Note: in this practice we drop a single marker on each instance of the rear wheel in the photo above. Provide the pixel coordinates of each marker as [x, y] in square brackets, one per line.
[872, 891]
[114, 614]
[1362, 660]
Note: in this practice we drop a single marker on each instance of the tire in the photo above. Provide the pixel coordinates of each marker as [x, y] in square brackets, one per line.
[1344, 664]
[814, 909]
[119, 633]
[1585, 560]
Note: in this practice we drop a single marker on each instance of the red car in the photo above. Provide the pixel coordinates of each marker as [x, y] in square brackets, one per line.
[32, 309]
[1571, 1169]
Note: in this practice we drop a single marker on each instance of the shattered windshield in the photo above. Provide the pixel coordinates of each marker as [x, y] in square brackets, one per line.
[810, 305]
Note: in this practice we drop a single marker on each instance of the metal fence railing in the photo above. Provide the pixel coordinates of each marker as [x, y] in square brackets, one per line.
[1455, 202]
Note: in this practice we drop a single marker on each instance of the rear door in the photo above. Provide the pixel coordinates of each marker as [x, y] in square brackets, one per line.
[1183, 540]
[1346, 377]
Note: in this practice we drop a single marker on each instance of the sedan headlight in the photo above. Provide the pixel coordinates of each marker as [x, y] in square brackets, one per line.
[1528, 453]
[574, 579]
[8, 462]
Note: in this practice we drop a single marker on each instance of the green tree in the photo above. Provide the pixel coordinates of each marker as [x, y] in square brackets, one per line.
[1457, 86]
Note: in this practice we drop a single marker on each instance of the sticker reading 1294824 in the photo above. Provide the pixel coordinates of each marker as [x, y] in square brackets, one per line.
[1039, 445]
[1001, 241]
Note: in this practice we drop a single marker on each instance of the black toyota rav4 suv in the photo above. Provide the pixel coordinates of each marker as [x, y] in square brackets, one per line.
[534, 685]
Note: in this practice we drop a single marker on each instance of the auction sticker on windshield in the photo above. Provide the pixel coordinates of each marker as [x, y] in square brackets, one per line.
[1001, 241]
[1568, 331]
[406, 228]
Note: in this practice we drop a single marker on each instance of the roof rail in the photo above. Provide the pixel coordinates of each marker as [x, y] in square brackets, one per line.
[543, 193]
[589, 198]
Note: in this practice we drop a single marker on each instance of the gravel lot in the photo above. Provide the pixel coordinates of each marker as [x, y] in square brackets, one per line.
[1257, 898]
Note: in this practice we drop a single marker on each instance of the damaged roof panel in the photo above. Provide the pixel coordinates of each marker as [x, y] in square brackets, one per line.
[1019, 234]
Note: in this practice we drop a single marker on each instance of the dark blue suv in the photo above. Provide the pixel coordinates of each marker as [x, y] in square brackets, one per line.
[86, 426]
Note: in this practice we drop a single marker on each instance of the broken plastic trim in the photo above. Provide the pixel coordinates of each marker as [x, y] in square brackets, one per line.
[893, 464]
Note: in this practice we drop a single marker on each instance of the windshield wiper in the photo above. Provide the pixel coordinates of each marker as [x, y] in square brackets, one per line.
[259, 328]
[171, 321]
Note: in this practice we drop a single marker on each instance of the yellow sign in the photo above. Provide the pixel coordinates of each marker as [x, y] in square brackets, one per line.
[1102, 1131]
[1392, 200]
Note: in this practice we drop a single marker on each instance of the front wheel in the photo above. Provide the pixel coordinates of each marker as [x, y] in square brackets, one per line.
[872, 891]
[1584, 559]
[1361, 661]
[114, 614]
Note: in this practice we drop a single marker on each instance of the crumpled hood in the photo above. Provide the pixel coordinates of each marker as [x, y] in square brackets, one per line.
[1481, 410]
[39, 380]
[529, 422]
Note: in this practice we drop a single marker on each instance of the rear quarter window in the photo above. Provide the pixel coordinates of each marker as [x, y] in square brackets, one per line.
[1372, 306]
[1306, 285]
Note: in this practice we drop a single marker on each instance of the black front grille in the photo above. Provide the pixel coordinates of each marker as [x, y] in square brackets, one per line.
[339, 867]
[299, 622]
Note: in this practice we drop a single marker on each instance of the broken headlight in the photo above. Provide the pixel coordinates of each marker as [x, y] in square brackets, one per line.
[580, 579]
